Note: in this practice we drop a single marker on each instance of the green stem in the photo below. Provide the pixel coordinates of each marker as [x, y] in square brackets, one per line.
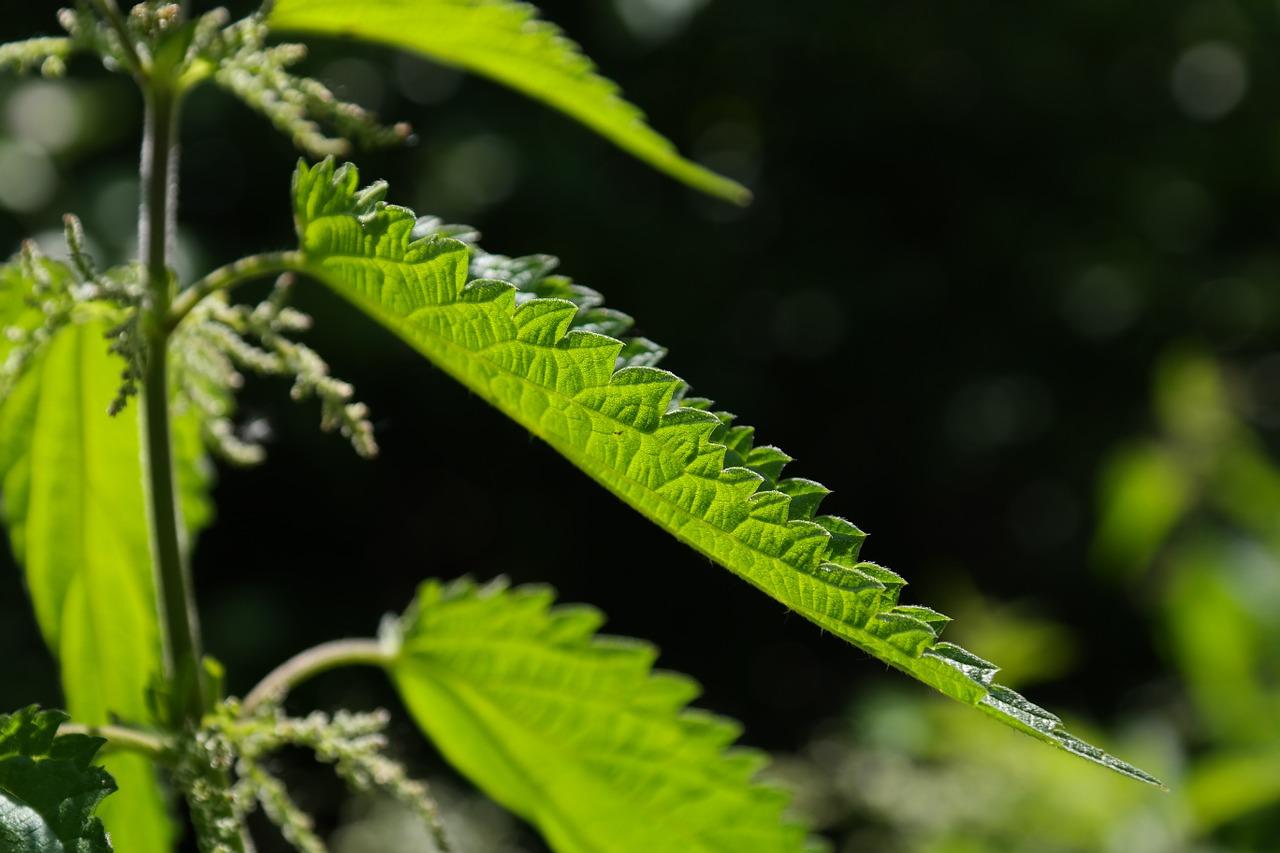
[313, 662]
[179, 629]
[231, 275]
[124, 738]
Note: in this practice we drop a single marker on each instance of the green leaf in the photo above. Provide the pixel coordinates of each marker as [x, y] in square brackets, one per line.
[575, 732]
[505, 40]
[535, 349]
[71, 480]
[49, 787]
[72, 484]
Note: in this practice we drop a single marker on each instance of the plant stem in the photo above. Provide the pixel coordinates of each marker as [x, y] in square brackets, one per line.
[124, 738]
[312, 662]
[179, 629]
[231, 275]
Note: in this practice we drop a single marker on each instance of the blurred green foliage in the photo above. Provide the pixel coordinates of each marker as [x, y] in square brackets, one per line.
[1188, 527]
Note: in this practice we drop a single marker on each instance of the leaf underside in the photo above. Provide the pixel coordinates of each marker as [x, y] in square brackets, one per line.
[576, 732]
[49, 786]
[546, 353]
[507, 42]
[71, 479]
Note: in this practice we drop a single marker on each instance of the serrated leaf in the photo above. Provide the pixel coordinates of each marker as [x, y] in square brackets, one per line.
[684, 467]
[49, 786]
[576, 732]
[71, 480]
[507, 42]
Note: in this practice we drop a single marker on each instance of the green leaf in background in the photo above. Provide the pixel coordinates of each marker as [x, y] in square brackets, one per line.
[71, 481]
[74, 509]
[1143, 494]
[49, 787]
[575, 732]
[506, 41]
[544, 351]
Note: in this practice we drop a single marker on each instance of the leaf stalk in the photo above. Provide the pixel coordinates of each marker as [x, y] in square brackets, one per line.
[312, 662]
[125, 738]
[230, 276]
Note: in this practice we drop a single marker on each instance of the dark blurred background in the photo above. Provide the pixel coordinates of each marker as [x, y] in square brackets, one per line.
[985, 238]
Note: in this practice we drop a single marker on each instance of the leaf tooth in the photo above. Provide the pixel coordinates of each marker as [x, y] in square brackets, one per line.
[935, 620]
[677, 397]
[604, 321]
[1018, 707]
[434, 226]
[683, 435]
[769, 506]
[573, 623]
[738, 439]
[846, 537]
[893, 582]
[597, 357]
[902, 631]
[718, 434]
[635, 396]
[543, 322]
[849, 578]
[346, 180]
[529, 273]
[743, 764]
[640, 352]
[804, 544]
[709, 730]
[976, 668]
[579, 294]
[768, 461]
[806, 496]
[482, 290]
[1076, 746]
[867, 591]
[668, 691]
[744, 481]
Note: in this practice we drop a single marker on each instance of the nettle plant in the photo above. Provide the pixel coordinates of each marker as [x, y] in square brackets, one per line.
[116, 383]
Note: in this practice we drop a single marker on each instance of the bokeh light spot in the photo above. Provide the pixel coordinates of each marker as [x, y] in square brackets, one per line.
[44, 113]
[27, 177]
[657, 20]
[1209, 80]
[1101, 302]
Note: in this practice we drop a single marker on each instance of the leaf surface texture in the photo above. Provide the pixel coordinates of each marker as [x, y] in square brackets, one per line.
[548, 354]
[576, 732]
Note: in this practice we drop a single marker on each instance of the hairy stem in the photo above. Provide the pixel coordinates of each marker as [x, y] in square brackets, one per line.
[231, 275]
[312, 662]
[124, 738]
[179, 628]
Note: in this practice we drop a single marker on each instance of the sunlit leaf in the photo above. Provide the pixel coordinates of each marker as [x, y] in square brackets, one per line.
[505, 40]
[576, 732]
[545, 353]
[71, 480]
[74, 508]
